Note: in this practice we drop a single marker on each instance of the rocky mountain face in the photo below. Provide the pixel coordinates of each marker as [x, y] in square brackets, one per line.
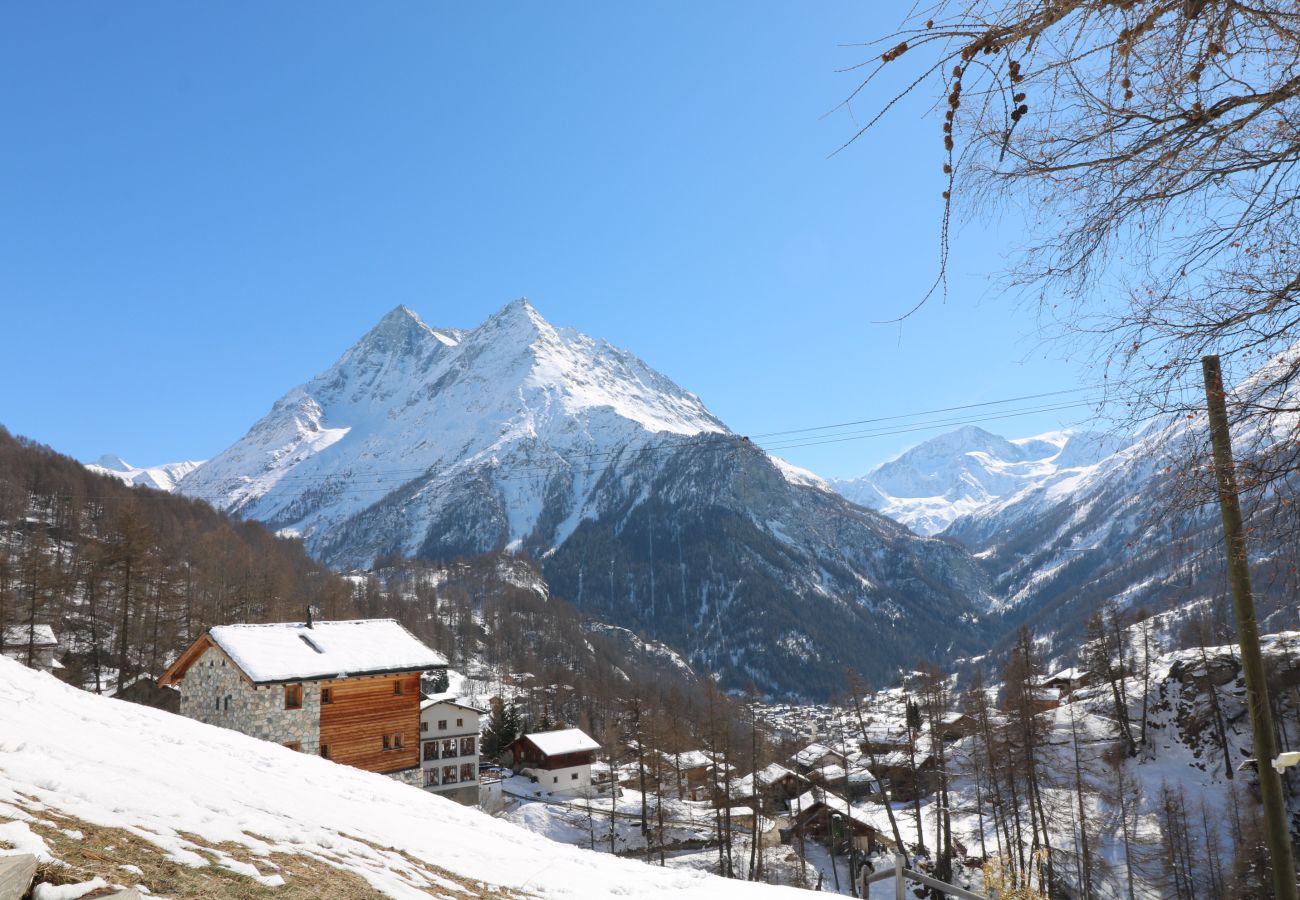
[640, 505]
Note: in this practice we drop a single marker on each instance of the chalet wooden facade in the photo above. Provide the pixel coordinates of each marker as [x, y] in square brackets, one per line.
[348, 691]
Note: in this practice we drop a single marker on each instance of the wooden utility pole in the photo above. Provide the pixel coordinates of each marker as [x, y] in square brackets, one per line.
[1252, 663]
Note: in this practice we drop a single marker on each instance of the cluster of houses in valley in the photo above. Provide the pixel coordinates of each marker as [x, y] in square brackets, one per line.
[353, 692]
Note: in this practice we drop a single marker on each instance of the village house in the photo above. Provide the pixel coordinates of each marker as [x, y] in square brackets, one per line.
[559, 761]
[830, 819]
[145, 690]
[909, 774]
[33, 646]
[695, 771]
[767, 789]
[1067, 681]
[817, 756]
[348, 691]
[449, 748]
[957, 725]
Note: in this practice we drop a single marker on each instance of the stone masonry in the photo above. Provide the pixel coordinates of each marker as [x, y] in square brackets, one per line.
[213, 692]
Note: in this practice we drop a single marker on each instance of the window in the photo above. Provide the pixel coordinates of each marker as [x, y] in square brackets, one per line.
[555, 779]
[460, 723]
[397, 741]
[397, 688]
[227, 703]
[293, 696]
[442, 724]
[325, 750]
[448, 774]
[449, 749]
[430, 777]
[430, 749]
[326, 695]
[424, 726]
[467, 746]
[293, 745]
[388, 744]
[218, 704]
[467, 772]
[573, 777]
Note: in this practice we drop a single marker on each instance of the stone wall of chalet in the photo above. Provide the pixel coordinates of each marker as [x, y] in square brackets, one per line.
[212, 691]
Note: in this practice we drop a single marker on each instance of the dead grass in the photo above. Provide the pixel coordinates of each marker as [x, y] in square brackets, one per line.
[102, 851]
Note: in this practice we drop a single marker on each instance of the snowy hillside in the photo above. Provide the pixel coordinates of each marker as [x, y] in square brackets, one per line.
[964, 471]
[187, 799]
[640, 504]
[163, 478]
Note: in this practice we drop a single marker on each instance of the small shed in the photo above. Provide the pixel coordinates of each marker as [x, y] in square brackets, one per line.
[31, 645]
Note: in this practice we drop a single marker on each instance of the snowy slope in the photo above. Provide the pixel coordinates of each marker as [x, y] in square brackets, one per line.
[964, 471]
[173, 782]
[163, 478]
[641, 506]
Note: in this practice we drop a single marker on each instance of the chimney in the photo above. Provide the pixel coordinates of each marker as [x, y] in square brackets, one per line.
[308, 615]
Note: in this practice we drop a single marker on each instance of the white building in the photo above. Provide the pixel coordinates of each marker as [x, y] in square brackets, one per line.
[449, 748]
[560, 761]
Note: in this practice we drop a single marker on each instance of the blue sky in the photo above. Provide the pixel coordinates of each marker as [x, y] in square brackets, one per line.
[201, 206]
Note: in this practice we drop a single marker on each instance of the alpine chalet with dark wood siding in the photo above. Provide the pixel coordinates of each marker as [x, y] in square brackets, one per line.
[348, 691]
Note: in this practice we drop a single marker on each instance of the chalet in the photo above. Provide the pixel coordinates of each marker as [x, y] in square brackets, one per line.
[830, 818]
[859, 781]
[449, 748]
[33, 646]
[145, 690]
[768, 788]
[696, 771]
[957, 725]
[348, 691]
[884, 738]
[1045, 699]
[908, 774]
[817, 756]
[1067, 681]
[560, 761]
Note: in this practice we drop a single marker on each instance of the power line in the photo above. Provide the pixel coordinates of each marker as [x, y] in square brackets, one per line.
[707, 442]
[585, 463]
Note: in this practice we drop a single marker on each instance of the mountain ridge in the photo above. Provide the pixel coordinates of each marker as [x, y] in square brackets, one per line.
[638, 502]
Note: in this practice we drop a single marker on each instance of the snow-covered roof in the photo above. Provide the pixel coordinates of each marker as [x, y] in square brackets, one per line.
[566, 740]
[766, 777]
[835, 803]
[833, 772]
[290, 651]
[39, 635]
[692, 759]
[449, 700]
[814, 753]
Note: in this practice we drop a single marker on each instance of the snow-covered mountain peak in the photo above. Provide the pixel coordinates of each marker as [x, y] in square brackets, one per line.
[113, 463]
[162, 478]
[960, 472]
[409, 402]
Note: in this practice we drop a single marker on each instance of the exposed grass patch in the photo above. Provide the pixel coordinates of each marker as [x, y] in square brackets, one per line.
[102, 851]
